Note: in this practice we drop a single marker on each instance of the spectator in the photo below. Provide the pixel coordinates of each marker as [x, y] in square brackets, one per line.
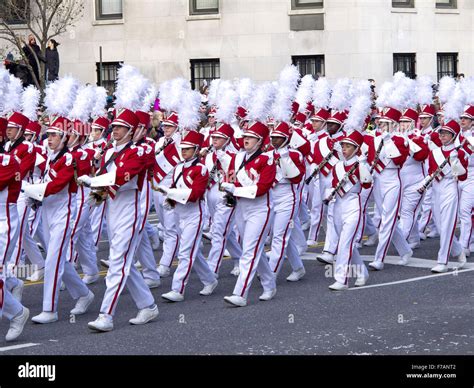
[52, 61]
[33, 54]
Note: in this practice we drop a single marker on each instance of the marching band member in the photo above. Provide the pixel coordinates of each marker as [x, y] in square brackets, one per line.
[119, 183]
[386, 155]
[466, 199]
[326, 154]
[167, 156]
[348, 177]
[250, 179]
[411, 174]
[290, 173]
[186, 194]
[10, 185]
[217, 162]
[56, 194]
[144, 253]
[426, 120]
[81, 246]
[447, 165]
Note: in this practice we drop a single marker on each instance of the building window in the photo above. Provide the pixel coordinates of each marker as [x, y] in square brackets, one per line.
[203, 7]
[447, 64]
[204, 70]
[310, 64]
[302, 4]
[108, 9]
[15, 11]
[108, 76]
[446, 4]
[405, 63]
[403, 3]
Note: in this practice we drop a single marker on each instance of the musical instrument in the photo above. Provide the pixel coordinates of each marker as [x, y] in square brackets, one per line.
[98, 195]
[318, 168]
[430, 178]
[170, 202]
[376, 158]
[341, 183]
[230, 200]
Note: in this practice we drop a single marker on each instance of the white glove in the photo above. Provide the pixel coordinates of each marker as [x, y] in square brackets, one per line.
[427, 138]
[283, 152]
[453, 156]
[229, 187]
[163, 188]
[220, 154]
[85, 180]
[386, 136]
[97, 155]
[167, 205]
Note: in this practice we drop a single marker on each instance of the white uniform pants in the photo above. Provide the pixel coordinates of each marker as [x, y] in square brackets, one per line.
[123, 222]
[445, 208]
[285, 200]
[56, 216]
[81, 246]
[222, 230]
[387, 195]
[170, 230]
[347, 223]
[466, 207]
[190, 219]
[253, 218]
[368, 228]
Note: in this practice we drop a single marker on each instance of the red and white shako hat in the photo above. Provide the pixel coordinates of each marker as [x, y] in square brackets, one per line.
[192, 139]
[468, 112]
[101, 123]
[355, 138]
[391, 115]
[143, 118]
[427, 110]
[223, 130]
[451, 126]
[171, 120]
[3, 126]
[320, 114]
[337, 117]
[282, 129]
[125, 117]
[33, 128]
[17, 120]
[59, 125]
[257, 129]
[410, 115]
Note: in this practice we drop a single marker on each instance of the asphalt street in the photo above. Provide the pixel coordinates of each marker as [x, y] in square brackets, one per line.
[401, 311]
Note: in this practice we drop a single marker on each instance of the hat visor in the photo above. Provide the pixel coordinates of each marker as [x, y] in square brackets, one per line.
[350, 141]
[187, 145]
[120, 123]
[219, 135]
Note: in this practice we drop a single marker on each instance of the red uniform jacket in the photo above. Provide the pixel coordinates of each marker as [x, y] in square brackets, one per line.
[433, 165]
[59, 175]
[26, 153]
[10, 173]
[194, 177]
[261, 171]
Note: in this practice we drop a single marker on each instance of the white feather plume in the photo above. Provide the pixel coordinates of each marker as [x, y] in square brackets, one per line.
[171, 92]
[227, 105]
[13, 97]
[340, 97]
[454, 107]
[4, 82]
[60, 96]
[305, 92]
[281, 109]
[100, 101]
[360, 108]
[321, 93]
[213, 90]
[410, 93]
[398, 97]
[188, 110]
[30, 100]
[467, 85]
[384, 94]
[150, 98]
[245, 90]
[446, 88]
[261, 102]
[424, 90]
[131, 88]
[83, 104]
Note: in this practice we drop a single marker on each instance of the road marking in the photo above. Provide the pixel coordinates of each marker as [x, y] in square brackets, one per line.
[14, 347]
[455, 273]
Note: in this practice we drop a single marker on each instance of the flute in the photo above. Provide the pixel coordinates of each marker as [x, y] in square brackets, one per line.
[341, 183]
